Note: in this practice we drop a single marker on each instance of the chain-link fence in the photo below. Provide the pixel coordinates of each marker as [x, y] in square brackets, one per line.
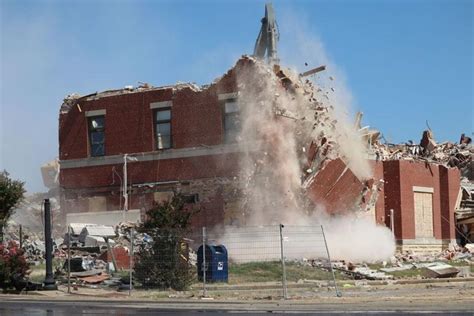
[272, 260]
[266, 261]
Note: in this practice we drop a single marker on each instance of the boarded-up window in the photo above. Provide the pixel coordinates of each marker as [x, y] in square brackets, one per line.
[423, 214]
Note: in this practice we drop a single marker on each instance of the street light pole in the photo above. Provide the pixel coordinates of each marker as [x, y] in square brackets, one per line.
[49, 283]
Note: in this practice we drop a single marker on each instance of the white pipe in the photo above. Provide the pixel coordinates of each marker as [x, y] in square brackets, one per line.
[392, 222]
[125, 189]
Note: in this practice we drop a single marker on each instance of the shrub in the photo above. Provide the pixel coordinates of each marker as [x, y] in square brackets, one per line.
[163, 262]
[13, 264]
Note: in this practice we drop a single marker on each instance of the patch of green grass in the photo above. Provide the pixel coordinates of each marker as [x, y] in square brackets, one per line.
[461, 263]
[297, 271]
[375, 266]
[255, 272]
[271, 271]
[410, 273]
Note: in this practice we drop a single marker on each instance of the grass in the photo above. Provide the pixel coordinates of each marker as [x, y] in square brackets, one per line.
[271, 271]
[38, 272]
[461, 263]
[410, 273]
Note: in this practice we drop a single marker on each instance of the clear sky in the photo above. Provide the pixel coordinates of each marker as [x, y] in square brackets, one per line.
[404, 62]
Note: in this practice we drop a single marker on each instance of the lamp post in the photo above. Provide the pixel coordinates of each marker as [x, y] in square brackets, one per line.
[126, 158]
[49, 283]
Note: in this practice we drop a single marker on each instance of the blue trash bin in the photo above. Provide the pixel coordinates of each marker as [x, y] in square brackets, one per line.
[216, 263]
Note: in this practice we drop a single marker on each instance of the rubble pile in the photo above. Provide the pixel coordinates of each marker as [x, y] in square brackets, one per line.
[458, 155]
[96, 252]
[455, 155]
[456, 253]
[455, 262]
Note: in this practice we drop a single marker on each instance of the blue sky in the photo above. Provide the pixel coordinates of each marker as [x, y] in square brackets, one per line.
[404, 62]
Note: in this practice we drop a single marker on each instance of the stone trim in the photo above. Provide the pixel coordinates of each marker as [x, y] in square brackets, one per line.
[226, 96]
[151, 156]
[161, 104]
[423, 189]
[95, 113]
[421, 241]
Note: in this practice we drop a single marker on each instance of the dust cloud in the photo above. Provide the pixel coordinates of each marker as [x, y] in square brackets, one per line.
[281, 114]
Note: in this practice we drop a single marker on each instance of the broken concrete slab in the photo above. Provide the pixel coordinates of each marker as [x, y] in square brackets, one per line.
[440, 270]
[98, 231]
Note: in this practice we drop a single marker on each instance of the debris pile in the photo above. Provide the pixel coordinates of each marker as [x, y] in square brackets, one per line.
[459, 155]
[455, 262]
[465, 214]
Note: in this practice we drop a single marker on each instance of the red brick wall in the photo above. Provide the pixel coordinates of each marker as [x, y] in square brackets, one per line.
[454, 184]
[196, 120]
[401, 176]
[449, 190]
[392, 195]
[336, 188]
[224, 165]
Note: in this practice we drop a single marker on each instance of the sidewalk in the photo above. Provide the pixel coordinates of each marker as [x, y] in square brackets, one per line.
[454, 290]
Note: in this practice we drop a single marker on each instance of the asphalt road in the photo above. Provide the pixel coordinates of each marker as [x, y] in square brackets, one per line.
[70, 308]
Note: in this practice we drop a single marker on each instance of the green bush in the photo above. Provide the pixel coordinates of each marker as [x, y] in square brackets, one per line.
[13, 264]
[163, 262]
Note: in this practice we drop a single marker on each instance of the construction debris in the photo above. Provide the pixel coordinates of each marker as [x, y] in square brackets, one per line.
[446, 153]
[313, 71]
[441, 270]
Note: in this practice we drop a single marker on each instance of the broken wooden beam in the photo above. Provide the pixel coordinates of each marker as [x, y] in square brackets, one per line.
[313, 71]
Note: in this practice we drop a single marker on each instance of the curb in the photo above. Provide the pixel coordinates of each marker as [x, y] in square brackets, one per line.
[310, 284]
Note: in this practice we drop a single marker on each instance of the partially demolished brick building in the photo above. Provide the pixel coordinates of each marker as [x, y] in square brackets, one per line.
[183, 138]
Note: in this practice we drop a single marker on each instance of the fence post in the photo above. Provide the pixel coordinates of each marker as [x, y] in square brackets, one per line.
[130, 265]
[338, 294]
[204, 268]
[21, 236]
[282, 253]
[69, 259]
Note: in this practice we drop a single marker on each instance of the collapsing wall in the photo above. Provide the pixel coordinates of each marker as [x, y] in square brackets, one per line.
[289, 133]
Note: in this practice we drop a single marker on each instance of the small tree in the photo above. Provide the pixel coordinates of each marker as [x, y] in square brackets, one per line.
[11, 193]
[163, 262]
